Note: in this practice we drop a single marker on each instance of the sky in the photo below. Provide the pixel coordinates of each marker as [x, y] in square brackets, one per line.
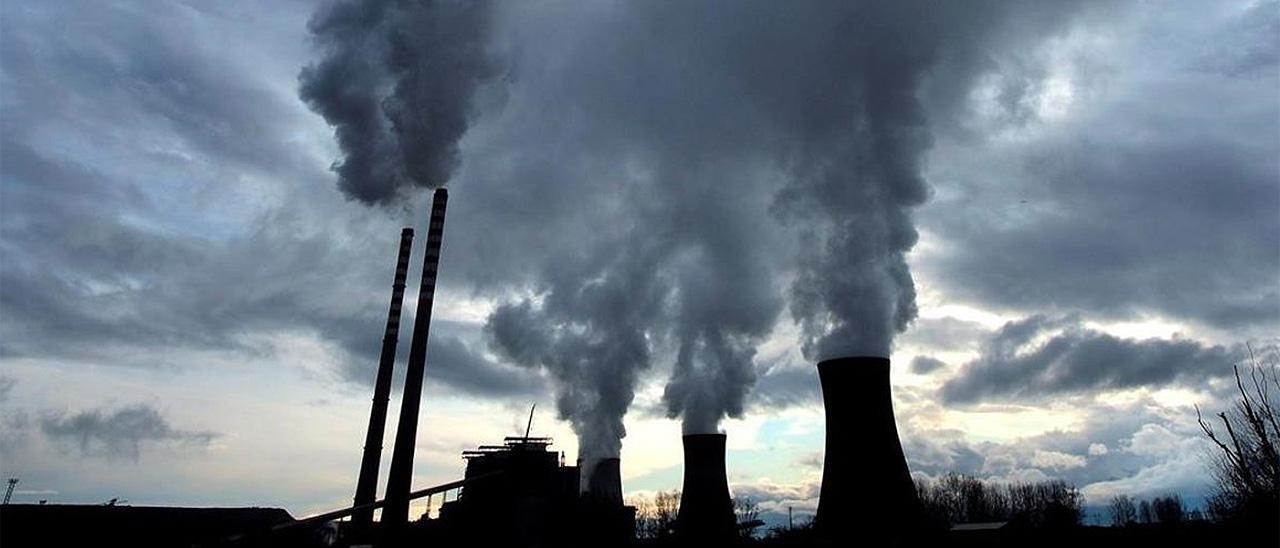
[1059, 219]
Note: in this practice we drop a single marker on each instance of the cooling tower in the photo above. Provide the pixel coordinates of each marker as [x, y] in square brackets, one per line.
[396, 512]
[605, 485]
[367, 485]
[867, 490]
[706, 512]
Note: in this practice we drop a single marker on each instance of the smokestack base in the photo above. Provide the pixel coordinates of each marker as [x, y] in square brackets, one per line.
[706, 511]
[866, 487]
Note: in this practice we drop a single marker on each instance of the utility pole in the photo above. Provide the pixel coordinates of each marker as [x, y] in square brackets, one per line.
[8, 494]
[790, 524]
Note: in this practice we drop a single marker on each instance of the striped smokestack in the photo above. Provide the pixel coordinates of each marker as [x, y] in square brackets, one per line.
[866, 488]
[367, 485]
[706, 511]
[396, 512]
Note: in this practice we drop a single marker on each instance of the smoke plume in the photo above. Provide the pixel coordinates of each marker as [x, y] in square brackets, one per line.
[396, 83]
[669, 177]
[590, 334]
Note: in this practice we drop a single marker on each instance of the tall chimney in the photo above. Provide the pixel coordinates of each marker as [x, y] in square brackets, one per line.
[706, 512]
[396, 512]
[605, 484]
[367, 485]
[866, 488]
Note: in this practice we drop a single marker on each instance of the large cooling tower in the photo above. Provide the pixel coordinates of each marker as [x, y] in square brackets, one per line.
[605, 485]
[706, 512]
[867, 490]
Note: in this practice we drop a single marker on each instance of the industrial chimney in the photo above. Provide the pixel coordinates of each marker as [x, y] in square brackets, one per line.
[605, 484]
[706, 512]
[367, 485]
[866, 488]
[396, 512]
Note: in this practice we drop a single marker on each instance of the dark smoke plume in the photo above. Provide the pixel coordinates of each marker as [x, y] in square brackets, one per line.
[396, 83]
[590, 334]
[754, 145]
[665, 172]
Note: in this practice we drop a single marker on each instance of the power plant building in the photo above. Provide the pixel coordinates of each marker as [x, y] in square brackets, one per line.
[522, 494]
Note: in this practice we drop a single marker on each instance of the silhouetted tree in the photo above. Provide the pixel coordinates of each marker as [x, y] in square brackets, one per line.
[956, 498]
[1247, 463]
[1168, 509]
[1145, 515]
[656, 517]
[747, 511]
[1053, 503]
[1123, 511]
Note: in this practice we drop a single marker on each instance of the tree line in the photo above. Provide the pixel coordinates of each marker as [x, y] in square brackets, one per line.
[1168, 509]
[960, 498]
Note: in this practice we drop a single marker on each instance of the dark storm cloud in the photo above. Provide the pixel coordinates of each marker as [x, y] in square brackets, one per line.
[939, 452]
[106, 283]
[786, 385]
[1249, 45]
[458, 366]
[396, 83]
[117, 160]
[119, 433]
[685, 157]
[142, 71]
[1040, 357]
[1202, 249]
[1138, 203]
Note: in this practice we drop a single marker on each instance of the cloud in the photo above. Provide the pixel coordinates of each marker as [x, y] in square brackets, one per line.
[1181, 469]
[943, 334]
[1039, 357]
[453, 362]
[119, 433]
[1248, 45]
[207, 231]
[6, 387]
[786, 385]
[1148, 442]
[1056, 460]
[1153, 440]
[1136, 201]
[923, 365]
[776, 500]
[14, 426]
[744, 162]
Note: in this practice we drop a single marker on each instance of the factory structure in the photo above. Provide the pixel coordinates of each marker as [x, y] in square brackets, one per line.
[522, 493]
